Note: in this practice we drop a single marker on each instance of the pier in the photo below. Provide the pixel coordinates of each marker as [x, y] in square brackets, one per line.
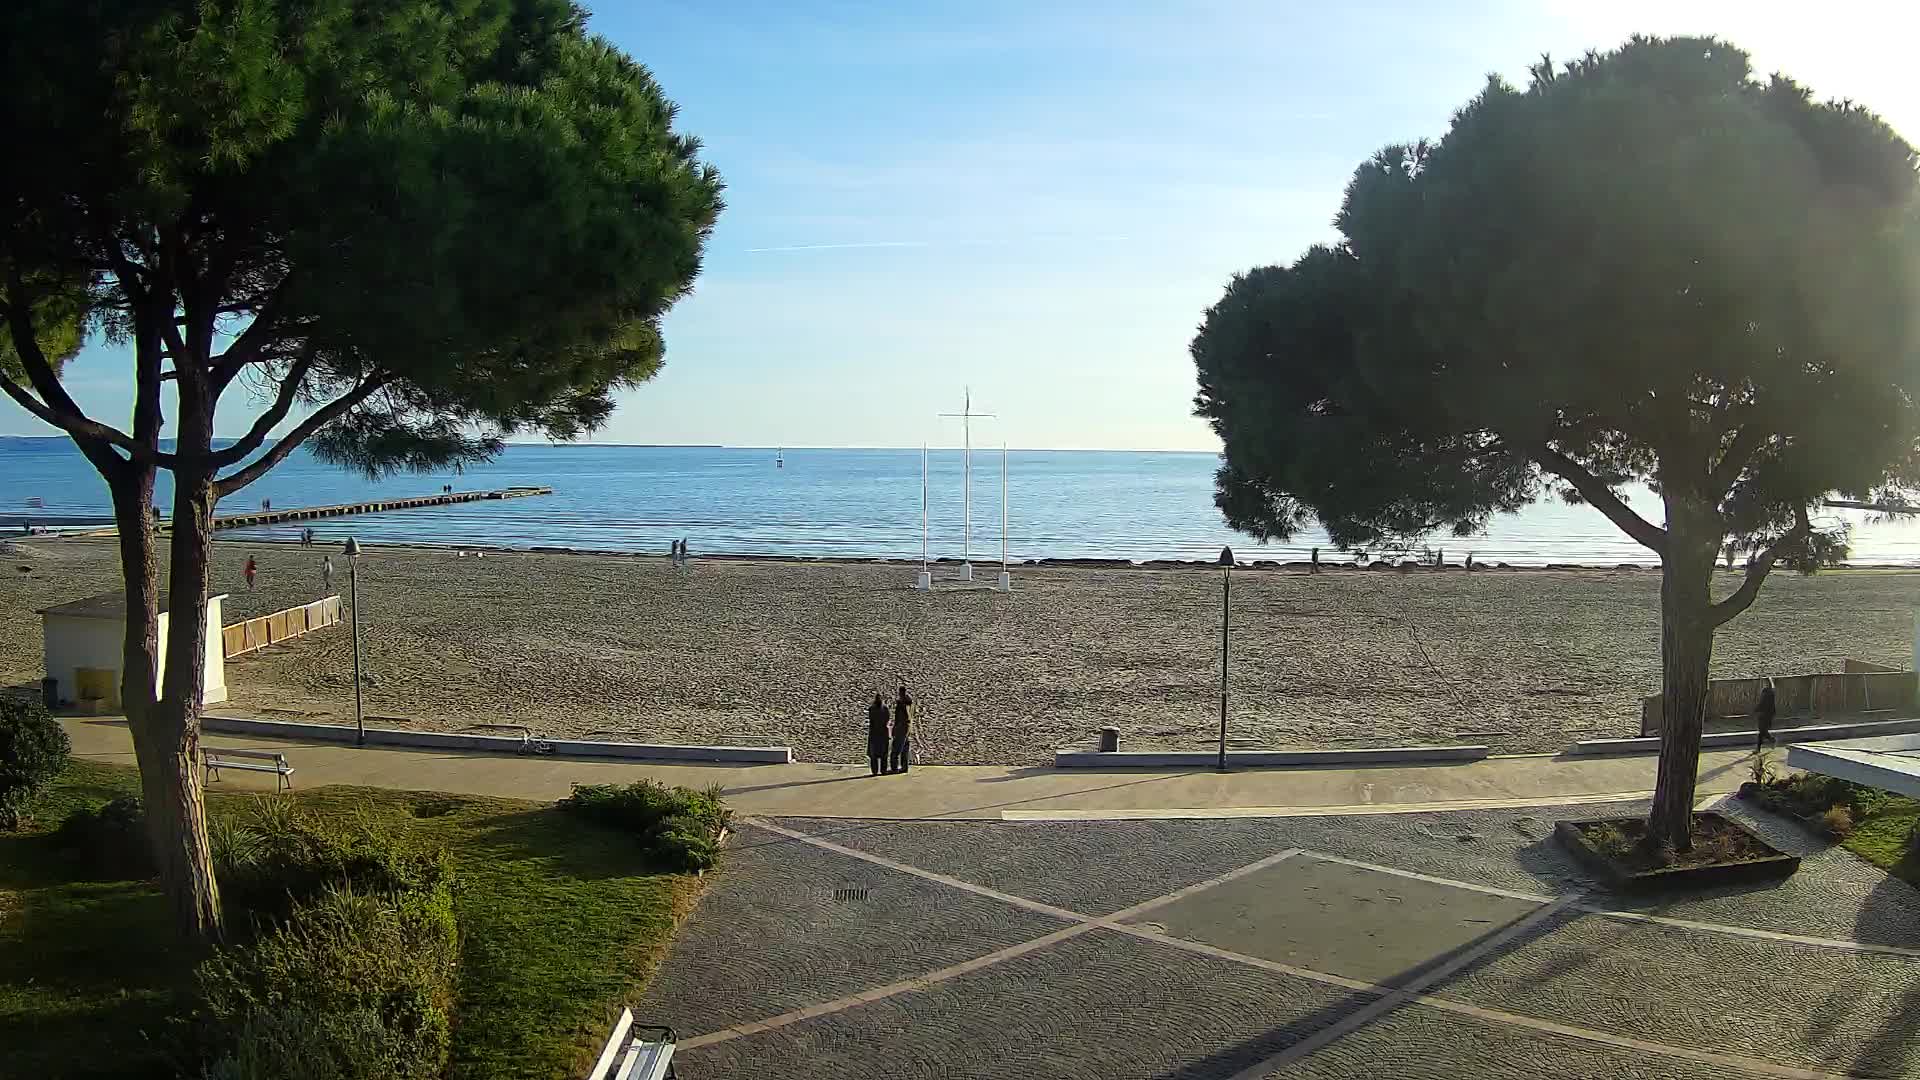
[376, 506]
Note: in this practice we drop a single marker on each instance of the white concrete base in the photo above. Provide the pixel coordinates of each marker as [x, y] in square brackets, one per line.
[923, 581]
[1381, 755]
[966, 572]
[501, 744]
[1005, 584]
[1890, 762]
[1721, 739]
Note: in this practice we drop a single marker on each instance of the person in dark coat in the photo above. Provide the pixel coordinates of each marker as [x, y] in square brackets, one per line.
[877, 734]
[902, 722]
[1763, 719]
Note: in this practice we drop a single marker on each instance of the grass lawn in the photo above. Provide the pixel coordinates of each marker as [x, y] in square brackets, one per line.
[1882, 839]
[561, 922]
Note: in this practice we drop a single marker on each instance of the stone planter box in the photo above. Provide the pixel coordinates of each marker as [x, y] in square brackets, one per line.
[1771, 867]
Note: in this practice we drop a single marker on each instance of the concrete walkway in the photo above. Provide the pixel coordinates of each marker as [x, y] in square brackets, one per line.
[973, 791]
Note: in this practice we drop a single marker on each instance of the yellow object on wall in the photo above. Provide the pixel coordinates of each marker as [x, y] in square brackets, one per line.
[97, 685]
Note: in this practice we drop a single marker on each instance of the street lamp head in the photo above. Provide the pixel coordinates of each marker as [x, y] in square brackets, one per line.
[1226, 556]
[353, 548]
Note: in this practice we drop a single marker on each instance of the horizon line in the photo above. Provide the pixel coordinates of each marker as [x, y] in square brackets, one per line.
[771, 447]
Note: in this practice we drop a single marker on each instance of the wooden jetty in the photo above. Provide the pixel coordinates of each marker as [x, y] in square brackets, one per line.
[303, 513]
[1884, 508]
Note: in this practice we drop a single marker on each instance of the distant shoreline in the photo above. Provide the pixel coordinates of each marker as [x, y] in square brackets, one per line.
[1379, 566]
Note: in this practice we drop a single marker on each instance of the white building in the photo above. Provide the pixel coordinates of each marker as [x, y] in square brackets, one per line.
[85, 641]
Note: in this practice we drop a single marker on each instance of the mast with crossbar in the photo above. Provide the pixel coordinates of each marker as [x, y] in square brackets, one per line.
[967, 416]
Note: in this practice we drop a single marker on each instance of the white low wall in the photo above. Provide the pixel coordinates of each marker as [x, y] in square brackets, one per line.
[1722, 739]
[1149, 759]
[500, 744]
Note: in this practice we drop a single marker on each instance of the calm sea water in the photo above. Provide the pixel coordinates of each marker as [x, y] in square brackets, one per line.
[861, 503]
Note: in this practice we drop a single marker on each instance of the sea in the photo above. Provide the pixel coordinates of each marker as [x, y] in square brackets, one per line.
[847, 503]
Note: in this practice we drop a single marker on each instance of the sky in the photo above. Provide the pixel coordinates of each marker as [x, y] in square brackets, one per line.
[1039, 201]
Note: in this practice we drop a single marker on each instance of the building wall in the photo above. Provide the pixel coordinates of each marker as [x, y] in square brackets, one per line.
[70, 643]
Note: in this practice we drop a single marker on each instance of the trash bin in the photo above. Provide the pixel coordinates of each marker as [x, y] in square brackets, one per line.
[50, 693]
[1109, 740]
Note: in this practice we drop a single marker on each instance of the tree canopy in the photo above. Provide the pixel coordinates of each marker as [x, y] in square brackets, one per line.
[425, 223]
[1646, 266]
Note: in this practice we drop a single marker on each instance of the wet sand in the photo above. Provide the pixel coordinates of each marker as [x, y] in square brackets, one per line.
[787, 652]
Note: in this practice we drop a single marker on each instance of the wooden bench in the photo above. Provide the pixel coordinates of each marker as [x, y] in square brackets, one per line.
[635, 1052]
[272, 761]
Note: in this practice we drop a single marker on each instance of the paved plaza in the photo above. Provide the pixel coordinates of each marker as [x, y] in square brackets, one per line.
[1442, 944]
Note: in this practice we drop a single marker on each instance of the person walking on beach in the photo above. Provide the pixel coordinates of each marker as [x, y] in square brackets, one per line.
[1763, 718]
[902, 722]
[877, 734]
[249, 571]
[326, 572]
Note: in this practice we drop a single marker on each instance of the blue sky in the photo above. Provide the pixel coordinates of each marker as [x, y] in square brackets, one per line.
[1040, 200]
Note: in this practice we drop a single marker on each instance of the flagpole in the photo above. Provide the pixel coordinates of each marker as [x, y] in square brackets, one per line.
[923, 582]
[1005, 583]
[966, 427]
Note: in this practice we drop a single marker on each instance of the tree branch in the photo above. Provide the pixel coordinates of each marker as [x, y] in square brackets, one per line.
[1743, 597]
[327, 414]
[1748, 438]
[55, 405]
[1596, 492]
[267, 421]
[252, 341]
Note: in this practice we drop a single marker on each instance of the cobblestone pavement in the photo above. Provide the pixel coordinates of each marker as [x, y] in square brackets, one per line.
[1415, 945]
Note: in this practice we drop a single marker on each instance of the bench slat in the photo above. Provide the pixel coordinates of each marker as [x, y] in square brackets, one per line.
[261, 755]
[244, 766]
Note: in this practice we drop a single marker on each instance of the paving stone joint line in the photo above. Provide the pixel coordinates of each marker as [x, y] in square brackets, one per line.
[1386, 997]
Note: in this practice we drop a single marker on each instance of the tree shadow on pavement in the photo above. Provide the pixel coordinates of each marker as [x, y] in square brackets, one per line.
[1893, 1050]
[1247, 1053]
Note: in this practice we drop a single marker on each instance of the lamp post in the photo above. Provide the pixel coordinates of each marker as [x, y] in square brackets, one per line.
[353, 593]
[1226, 619]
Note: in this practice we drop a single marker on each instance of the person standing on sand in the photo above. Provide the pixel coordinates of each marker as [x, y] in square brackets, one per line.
[902, 722]
[877, 734]
[326, 572]
[1763, 711]
[249, 571]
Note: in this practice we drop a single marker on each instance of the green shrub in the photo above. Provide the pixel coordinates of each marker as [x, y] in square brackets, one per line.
[110, 840]
[33, 750]
[678, 827]
[349, 985]
[276, 858]
[304, 1045]
[1835, 821]
[1611, 840]
[1810, 796]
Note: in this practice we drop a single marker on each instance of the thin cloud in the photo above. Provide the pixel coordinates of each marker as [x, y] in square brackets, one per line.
[1032, 240]
[841, 247]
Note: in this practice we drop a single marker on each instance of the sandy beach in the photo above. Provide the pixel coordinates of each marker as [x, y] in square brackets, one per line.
[786, 652]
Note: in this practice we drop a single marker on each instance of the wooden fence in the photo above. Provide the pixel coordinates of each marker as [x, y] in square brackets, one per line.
[1863, 694]
[254, 634]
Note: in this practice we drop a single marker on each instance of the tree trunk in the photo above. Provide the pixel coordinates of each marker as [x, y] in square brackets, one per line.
[169, 742]
[140, 649]
[1686, 654]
